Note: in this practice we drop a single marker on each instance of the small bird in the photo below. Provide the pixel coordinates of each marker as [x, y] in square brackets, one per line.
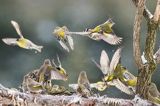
[105, 32]
[57, 89]
[32, 86]
[154, 94]
[59, 72]
[64, 38]
[125, 76]
[106, 66]
[83, 87]
[21, 42]
[113, 76]
[48, 72]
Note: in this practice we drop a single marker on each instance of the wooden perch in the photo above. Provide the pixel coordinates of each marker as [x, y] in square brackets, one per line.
[15, 97]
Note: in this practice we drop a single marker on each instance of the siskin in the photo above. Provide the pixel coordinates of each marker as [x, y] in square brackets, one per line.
[105, 32]
[154, 94]
[112, 77]
[49, 72]
[57, 89]
[31, 85]
[64, 38]
[106, 66]
[83, 87]
[21, 42]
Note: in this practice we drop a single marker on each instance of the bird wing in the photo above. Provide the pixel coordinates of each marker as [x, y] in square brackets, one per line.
[111, 39]
[64, 45]
[74, 86]
[118, 84]
[10, 41]
[115, 60]
[70, 41]
[57, 76]
[17, 28]
[104, 62]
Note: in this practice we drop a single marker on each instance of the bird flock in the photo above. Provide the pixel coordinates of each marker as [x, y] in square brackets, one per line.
[114, 73]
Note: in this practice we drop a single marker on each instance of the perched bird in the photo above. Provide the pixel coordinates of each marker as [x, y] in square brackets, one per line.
[83, 87]
[154, 94]
[21, 42]
[57, 89]
[48, 72]
[32, 86]
[105, 32]
[64, 38]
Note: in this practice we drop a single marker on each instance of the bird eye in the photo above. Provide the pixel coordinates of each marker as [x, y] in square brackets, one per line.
[58, 68]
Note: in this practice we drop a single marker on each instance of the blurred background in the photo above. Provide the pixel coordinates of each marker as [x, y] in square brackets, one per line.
[38, 18]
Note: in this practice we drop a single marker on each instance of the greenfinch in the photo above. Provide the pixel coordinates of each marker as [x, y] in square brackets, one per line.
[21, 42]
[64, 38]
[31, 86]
[105, 32]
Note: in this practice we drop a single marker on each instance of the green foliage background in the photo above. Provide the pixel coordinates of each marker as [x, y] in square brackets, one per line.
[38, 18]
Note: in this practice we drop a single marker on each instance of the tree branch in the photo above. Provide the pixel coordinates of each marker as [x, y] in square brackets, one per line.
[145, 75]
[15, 97]
[157, 12]
[136, 33]
[146, 13]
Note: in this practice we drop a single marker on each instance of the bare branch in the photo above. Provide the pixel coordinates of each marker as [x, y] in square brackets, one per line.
[157, 12]
[146, 13]
[15, 97]
[136, 33]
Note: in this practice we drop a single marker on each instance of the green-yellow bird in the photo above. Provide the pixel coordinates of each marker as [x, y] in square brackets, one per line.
[64, 38]
[154, 94]
[49, 72]
[21, 42]
[111, 77]
[84, 88]
[105, 32]
[125, 76]
[32, 86]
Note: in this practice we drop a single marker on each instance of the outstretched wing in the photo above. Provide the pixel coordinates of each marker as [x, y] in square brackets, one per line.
[115, 60]
[17, 28]
[64, 45]
[70, 41]
[10, 41]
[104, 62]
[111, 39]
[118, 84]
[57, 76]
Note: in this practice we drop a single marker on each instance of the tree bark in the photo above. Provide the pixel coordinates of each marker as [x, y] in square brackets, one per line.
[145, 70]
